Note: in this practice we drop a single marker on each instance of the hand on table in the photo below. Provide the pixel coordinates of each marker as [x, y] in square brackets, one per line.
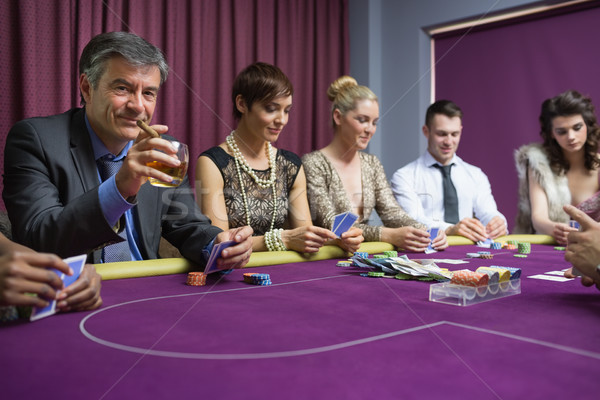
[496, 227]
[440, 242]
[235, 256]
[351, 239]
[410, 238]
[306, 239]
[471, 228]
[83, 294]
[560, 232]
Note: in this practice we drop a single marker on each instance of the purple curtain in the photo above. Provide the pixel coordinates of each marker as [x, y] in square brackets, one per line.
[206, 44]
[500, 75]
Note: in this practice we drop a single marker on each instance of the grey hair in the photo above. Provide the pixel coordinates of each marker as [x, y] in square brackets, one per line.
[135, 50]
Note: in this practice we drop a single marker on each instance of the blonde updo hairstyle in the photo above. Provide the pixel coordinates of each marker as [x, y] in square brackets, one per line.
[345, 92]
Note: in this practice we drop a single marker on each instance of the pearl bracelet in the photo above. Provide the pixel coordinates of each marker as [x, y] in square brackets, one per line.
[273, 240]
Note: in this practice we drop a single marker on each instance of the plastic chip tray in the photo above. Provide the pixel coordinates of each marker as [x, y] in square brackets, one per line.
[467, 295]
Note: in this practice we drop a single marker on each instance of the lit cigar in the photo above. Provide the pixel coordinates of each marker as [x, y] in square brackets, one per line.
[146, 128]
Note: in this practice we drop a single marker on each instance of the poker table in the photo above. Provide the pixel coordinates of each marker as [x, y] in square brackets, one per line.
[318, 332]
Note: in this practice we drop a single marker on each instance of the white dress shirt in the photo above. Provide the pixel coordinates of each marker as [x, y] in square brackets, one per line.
[418, 188]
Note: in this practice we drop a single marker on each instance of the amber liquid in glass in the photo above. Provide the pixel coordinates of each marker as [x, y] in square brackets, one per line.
[177, 173]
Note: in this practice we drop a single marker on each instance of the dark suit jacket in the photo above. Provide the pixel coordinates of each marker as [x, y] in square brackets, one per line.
[51, 195]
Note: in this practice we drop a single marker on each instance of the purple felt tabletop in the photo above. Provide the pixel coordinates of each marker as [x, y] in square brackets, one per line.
[318, 332]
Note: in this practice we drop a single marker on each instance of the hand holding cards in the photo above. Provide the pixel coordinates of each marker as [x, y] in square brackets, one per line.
[342, 222]
[211, 265]
[76, 263]
[433, 232]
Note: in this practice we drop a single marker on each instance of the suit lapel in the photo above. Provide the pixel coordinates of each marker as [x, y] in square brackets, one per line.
[82, 152]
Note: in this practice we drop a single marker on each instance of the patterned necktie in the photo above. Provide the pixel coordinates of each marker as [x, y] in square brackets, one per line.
[118, 251]
[450, 197]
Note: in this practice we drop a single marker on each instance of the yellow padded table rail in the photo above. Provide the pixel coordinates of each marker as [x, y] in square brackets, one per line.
[168, 266]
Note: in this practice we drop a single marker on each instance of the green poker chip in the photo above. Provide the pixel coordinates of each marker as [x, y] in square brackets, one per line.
[521, 255]
[561, 248]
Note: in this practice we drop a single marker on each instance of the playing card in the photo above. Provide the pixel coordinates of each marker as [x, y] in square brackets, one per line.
[211, 265]
[76, 263]
[342, 222]
[433, 232]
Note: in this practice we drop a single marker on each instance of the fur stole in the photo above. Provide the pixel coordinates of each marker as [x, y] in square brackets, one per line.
[534, 157]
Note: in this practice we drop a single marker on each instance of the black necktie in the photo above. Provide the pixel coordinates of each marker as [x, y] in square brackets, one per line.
[118, 251]
[450, 198]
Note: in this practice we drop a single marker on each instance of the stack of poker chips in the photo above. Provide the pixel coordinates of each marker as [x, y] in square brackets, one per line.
[390, 253]
[380, 256]
[469, 278]
[485, 254]
[196, 279]
[524, 248]
[257, 279]
[375, 274]
[496, 245]
[361, 254]
[493, 274]
[513, 273]
[511, 245]
[344, 263]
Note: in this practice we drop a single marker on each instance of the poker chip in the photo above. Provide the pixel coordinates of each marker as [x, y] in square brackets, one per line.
[362, 254]
[496, 245]
[196, 279]
[257, 279]
[390, 253]
[510, 246]
[483, 252]
[561, 248]
[486, 256]
[469, 278]
[520, 255]
[494, 276]
[473, 255]
[524, 248]
[344, 263]
[380, 256]
[515, 273]
[503, 273]
[375, 274]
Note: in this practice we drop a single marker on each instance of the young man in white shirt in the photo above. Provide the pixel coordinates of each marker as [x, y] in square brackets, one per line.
[440, 189]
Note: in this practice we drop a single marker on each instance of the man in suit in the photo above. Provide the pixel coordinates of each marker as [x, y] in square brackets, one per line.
[57, 194]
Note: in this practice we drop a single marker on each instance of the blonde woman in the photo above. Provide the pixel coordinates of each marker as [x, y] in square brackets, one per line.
[341, 177]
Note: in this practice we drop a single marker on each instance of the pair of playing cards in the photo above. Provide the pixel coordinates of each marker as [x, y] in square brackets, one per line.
[211, 265]
[487, 243]
[342, 222]
[76, 263]
[433, 232]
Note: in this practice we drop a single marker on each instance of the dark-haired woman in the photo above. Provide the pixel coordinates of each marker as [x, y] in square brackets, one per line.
[561, 170]
[247, 181]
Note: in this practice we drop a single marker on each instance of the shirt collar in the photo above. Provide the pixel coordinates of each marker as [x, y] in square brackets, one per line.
[430, 161]
[100, 149]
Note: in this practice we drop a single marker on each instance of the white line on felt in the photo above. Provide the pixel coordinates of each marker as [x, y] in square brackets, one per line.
[555, 346]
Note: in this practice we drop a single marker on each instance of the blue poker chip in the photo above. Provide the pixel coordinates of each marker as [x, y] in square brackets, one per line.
[484, 252]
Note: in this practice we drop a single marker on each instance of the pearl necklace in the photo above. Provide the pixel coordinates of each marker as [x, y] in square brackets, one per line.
[241, 163]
